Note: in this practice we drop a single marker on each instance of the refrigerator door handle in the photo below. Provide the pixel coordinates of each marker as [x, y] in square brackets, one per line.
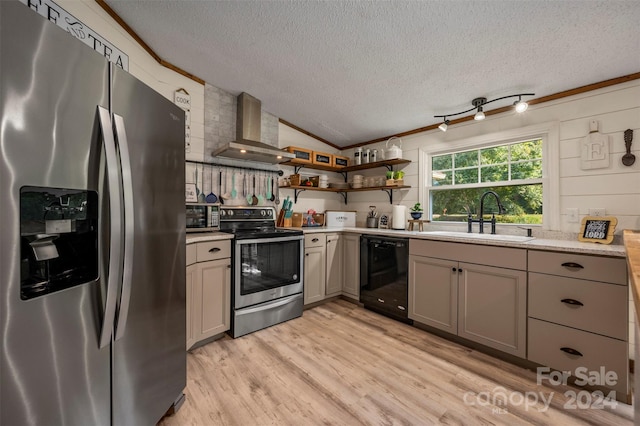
[129, 225]
[115, 255]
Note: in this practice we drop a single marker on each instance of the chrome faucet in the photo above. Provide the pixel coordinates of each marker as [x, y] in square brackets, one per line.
[480, 219]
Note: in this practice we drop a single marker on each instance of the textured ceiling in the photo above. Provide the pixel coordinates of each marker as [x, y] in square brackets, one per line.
[353, 71]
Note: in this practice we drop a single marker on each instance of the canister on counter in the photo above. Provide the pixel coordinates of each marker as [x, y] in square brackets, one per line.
[357, 156]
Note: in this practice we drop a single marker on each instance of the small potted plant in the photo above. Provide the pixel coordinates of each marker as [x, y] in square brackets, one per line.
[416, 211]
[399, 175]
[390, 181]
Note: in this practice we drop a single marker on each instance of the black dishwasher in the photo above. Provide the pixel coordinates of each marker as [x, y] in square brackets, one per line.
[384, 262]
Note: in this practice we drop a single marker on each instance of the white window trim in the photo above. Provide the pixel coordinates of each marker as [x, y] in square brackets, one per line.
[549, 132]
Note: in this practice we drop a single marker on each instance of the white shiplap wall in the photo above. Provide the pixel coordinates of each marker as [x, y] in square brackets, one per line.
[616, 188]
[146, 68]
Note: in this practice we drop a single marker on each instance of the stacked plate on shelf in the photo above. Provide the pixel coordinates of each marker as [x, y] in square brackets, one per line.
[357, 181]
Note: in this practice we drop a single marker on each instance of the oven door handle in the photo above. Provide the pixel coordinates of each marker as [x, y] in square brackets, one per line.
[267, 305]
[270, 240]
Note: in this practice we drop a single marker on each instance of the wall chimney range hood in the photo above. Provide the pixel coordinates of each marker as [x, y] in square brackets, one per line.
[247, 145]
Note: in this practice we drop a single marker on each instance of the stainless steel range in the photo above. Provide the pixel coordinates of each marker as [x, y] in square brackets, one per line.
[267, 286]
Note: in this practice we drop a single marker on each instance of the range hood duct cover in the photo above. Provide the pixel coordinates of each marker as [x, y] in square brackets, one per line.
[247, 145]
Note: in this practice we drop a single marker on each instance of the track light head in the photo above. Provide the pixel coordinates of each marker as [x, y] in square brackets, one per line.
[521, 106]
[444, 125]
[478, 102]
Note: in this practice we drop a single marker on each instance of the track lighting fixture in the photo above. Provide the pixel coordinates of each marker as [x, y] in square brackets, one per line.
[444, 125]
[478, 104]
[521, 106]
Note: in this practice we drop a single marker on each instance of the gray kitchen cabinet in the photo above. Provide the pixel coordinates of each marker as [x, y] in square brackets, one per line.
[192, 273]
[214, 296]
[334, 264]
[208, 291]
[314, 267]
[351, 266]
[578, 315]
[492, 307]
[477, 292]
[191, 283]
[433, 292]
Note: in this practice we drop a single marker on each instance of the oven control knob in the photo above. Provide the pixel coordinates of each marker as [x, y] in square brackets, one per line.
[229, 212]
[263, 213]
[269, 212]
[223, 213]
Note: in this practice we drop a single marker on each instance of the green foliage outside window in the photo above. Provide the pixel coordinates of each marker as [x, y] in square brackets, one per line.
[515, 168]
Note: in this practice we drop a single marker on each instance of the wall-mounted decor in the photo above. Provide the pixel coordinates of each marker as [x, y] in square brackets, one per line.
[63, 19]
[628, 159]
[182, 98]
[594, 149]
[190, 193]
[597, 229]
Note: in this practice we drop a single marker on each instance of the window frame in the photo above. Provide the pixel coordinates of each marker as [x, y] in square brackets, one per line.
[548, 132]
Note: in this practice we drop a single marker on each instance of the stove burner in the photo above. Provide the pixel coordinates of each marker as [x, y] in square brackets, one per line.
[252, 222]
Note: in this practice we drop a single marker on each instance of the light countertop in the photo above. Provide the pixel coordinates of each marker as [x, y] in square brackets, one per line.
[572, 246]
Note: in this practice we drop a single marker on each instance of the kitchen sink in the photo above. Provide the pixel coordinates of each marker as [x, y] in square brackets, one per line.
[475, 236]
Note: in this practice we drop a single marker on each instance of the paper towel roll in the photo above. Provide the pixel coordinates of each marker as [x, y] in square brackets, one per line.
[399, 219]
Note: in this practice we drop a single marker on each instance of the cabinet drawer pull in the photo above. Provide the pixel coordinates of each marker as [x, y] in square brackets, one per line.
[214, 250]
[572, 302]
[572, 265]
[315, 240]
[381, 300]
[571, 351]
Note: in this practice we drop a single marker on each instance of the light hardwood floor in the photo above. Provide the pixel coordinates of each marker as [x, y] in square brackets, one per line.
[340, 364]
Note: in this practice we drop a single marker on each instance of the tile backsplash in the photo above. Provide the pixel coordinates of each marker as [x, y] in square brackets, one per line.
[220, 110]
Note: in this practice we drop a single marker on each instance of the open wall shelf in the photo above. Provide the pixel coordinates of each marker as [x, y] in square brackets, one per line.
[344, 171]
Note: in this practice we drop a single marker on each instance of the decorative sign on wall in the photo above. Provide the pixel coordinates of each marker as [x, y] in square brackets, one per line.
[594, 149]
[190, 193]
[56, 14]
[183, 100]
[597, 229]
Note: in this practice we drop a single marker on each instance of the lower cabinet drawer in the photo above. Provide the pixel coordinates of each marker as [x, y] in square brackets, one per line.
[588, 305]
[315, 240]
[213, 250]
[550, 345]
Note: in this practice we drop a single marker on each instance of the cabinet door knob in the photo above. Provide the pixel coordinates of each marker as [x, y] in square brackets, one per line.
[459, 269]
[571, 351]
[572, 265]
[306, 254]
[454, 269]
[214, 250]
[229, 266]
[572, 302]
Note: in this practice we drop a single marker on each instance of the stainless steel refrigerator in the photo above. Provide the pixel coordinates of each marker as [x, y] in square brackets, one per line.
[92, 235]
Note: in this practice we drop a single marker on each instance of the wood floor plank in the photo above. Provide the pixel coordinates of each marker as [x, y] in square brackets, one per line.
[340, 364]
